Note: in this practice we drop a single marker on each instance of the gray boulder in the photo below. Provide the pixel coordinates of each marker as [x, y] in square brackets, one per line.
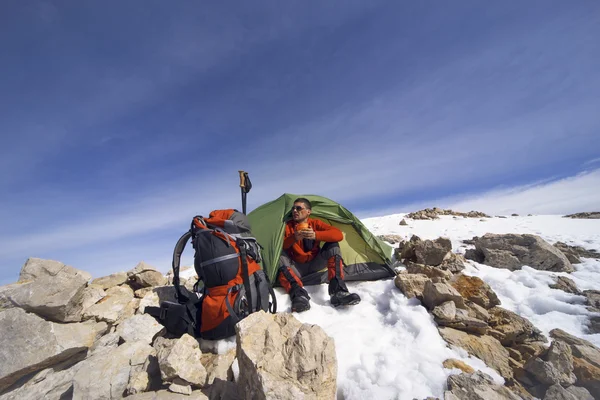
[512, 251]
[144, 275]
[113, 307]
[181, 359]
[279, 357]
[511, 329]
[476, 386]
[557, 392]
[433, 252]
[555, 366]
[106, 375]
[106, 282]
[53, 383]
[487, 348]
[30, 343]
[50, 289]
[584, 215]
[566, 285]
[435, 294]
[412, 285]
[139, 328]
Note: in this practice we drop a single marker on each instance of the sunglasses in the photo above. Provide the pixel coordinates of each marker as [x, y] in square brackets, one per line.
[298, 208]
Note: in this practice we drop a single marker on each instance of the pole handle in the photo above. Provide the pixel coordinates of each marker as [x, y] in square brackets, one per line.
[242, 178]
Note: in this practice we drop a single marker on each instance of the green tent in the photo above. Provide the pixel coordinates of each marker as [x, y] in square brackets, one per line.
[366, 256]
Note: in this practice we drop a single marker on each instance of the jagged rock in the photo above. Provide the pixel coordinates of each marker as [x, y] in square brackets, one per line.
[91, 295]
[106, 342]
[453, 263]
[30, 344]
[487, 348]
[166, 395]
[427, 270]
[592, 299]
[476, 311]
[155, 296]
[530, 349]
[412, 285]
[434, 252]
[580, 347]
[566, 285]
[279, 357]
[144, 377]
[435, 294]
[112, 307]
[403, 222]
[112, 280]
[588, 375]
[53, 383]
[553, 366]
[434, 213]
[454, 363]
[393, 239]
[512, 251]
[584, 215]
[557, 392]
[141, 327]
[223, 390]
[513, 328]
[580, 393]
[218, 366]
[474, 289]
[50, 289]
[462, 321]
[593, 325]
[406, 249]
[180, 386]
[476, 386]
[181, 358]
[105, 375]
[445, 311]
[144, 275]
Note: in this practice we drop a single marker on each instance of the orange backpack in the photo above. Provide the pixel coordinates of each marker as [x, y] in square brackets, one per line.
[227, 261]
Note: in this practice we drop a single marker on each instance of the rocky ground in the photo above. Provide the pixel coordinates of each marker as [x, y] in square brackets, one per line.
[65, 337]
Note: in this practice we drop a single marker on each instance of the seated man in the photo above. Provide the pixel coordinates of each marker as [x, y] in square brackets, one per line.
[303, 255]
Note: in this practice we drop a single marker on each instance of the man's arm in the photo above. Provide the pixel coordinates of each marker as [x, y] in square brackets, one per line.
[289, 238]
[327, 233]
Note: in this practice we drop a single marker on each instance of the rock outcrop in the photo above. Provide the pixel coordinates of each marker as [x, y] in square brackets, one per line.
[279, 357]
[476, 386]
[48, 288]
[575, 253]
[512, 251]
[29, 343]
[584, 215]
[434, 213]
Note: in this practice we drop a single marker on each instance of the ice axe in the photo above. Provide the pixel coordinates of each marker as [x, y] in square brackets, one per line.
[245, 185]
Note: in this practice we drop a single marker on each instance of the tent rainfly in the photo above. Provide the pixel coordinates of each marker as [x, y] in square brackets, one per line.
[365, 256]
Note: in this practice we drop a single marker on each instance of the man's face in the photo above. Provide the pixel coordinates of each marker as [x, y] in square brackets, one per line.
[300, 212]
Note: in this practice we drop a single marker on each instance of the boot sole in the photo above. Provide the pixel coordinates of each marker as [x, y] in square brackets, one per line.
[352, 303]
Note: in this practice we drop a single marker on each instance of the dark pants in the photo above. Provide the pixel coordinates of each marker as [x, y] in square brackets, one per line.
[291, 272]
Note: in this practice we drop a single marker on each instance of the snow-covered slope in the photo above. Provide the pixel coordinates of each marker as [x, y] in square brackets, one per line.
[388, 346]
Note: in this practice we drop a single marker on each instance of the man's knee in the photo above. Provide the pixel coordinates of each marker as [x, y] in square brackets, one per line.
[330, 249]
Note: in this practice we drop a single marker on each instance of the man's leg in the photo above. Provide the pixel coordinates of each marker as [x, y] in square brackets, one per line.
[338, 291]
[289, 279]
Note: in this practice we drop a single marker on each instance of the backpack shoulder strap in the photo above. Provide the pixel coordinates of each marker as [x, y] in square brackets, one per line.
[181, 298]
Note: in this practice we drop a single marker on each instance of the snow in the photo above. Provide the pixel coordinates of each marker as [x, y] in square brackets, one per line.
[388, 346]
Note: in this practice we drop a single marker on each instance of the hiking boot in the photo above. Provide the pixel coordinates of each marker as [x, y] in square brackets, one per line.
[300, 300]
[344, 298]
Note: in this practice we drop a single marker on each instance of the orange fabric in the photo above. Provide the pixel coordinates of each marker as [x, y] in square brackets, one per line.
[214, 308]
[287, 284]
[323, 233]
[331, 268]
[218, 217]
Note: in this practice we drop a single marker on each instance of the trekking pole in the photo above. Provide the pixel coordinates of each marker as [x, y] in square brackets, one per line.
[245, 186]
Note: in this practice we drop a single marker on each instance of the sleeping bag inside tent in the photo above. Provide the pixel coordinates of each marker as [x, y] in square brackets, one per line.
[365, 256]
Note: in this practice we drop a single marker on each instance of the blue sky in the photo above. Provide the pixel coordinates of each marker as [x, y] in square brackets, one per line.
[122, 120]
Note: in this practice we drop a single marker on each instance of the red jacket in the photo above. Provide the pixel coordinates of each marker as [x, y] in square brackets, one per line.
[323, 233]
